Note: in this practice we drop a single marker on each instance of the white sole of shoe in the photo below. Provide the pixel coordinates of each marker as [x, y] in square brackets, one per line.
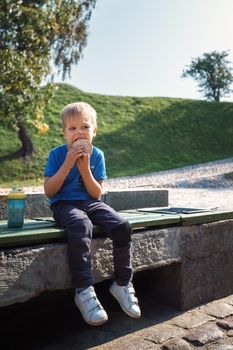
[92, 323]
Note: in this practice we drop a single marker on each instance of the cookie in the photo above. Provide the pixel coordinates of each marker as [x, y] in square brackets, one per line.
[85, 145]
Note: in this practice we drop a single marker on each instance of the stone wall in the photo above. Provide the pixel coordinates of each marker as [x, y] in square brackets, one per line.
[192, 264]
[37, 205]
[28, 271]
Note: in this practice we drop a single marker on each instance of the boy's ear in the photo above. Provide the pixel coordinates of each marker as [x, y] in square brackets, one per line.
[94, 132]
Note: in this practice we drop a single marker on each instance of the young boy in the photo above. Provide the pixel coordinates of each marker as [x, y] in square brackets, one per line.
[73, 182]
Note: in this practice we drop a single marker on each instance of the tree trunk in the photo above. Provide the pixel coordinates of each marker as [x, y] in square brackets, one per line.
[216, 98]
[217, 95]
[27, 149]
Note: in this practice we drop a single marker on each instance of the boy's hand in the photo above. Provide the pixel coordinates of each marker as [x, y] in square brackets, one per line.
[72, 156]
[83, 162]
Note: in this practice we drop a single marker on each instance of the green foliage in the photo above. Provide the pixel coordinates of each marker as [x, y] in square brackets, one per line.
[33, 34]
[137, 135]
[213, 74]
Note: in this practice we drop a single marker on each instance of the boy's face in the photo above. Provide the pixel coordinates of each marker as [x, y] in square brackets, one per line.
[79, 127]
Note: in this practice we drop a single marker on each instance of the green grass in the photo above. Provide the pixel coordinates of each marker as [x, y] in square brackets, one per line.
[138, 135]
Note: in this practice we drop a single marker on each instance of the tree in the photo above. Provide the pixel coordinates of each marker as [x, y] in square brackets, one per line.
[34, 35]
[213, 74]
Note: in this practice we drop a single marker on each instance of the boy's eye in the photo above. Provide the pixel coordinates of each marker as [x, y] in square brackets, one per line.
[72, 128]
[86, 127]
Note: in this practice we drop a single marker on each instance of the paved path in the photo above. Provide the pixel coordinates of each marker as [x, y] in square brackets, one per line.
[207, 327]
[54, 323]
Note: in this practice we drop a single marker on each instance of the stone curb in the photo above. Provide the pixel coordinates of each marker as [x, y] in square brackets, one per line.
[37, 204]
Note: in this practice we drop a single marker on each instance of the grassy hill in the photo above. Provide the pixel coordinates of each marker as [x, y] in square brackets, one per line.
[138, 135]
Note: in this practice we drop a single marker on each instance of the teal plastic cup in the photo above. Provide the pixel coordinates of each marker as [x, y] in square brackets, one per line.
[15, 208]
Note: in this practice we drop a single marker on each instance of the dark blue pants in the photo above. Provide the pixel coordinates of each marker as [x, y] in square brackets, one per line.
[78, 218]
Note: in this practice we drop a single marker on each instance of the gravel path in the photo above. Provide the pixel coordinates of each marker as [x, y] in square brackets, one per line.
[205, 175]
[202, 185]
[196, 185]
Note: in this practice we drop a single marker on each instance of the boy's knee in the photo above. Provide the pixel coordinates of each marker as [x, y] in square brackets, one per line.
[121, 235]
[80, 228]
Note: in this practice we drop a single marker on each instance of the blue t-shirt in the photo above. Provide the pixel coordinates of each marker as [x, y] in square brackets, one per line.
[73, 187]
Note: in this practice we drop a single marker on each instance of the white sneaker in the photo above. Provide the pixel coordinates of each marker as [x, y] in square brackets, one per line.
[90, 307]
[125, 295]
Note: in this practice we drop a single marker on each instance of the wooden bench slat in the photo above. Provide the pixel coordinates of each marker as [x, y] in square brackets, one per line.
[43, 230]
[201, 218]
[28, 225]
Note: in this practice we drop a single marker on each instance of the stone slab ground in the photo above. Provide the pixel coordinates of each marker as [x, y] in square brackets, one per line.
[52, 322]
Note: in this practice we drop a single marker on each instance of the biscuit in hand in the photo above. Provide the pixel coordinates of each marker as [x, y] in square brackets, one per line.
[83, 144]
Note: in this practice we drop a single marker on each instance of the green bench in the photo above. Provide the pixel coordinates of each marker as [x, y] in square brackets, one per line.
[190, 252]
[44, 230]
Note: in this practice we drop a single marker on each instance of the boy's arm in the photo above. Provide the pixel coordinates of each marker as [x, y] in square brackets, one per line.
[93, 187]
[53, 184]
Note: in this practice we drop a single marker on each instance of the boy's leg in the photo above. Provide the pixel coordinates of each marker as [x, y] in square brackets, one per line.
[119, 230]
[79, 233]
[122, 253]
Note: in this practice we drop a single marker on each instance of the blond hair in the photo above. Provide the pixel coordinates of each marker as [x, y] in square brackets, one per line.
[76, 109]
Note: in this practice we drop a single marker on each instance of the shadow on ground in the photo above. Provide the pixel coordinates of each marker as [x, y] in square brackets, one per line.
[52, 321]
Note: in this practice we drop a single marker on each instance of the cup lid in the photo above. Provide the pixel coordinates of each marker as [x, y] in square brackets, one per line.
[16, 193]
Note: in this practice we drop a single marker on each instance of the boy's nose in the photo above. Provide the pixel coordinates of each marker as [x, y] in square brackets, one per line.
[79, 131]
[79, 134]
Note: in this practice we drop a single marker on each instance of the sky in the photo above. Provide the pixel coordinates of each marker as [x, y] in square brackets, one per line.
[140, 47]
